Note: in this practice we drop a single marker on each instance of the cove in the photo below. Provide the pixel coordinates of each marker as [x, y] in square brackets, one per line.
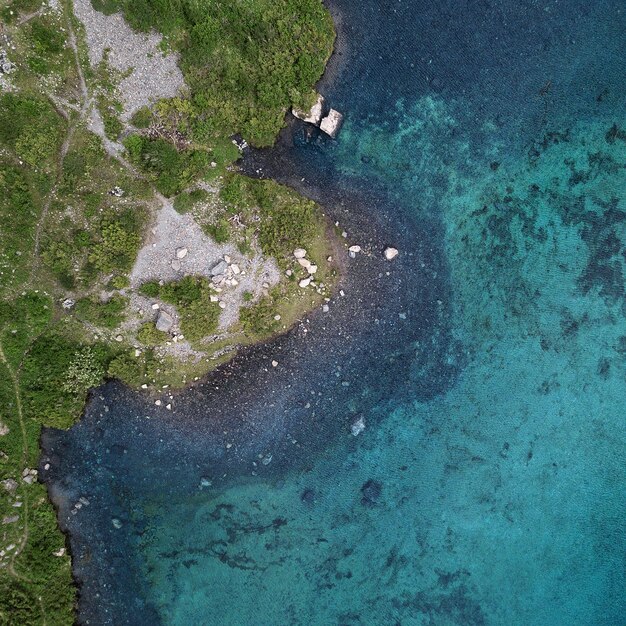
[486, 141]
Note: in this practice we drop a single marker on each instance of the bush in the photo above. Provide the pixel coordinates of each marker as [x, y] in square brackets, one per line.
[219, 231]
[108, 314]
[128, 368]
[85, 371]
[184, 201]
[258, 319]
[142, 118]
[118, 245]
[149, 335]
[151, 289]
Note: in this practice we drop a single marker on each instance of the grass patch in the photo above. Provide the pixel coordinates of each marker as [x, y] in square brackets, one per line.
[108, 314]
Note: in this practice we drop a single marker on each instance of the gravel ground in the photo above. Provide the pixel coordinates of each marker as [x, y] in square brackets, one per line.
[154, 75]
[171, 231]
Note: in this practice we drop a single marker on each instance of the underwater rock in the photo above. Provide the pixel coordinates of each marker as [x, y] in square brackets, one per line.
[308, 497]
[371, 492]
[358, 426]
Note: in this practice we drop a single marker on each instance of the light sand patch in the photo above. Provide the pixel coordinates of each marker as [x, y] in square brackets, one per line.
[154, 75]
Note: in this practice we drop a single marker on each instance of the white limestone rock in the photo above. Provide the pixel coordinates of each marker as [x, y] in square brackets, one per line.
[331, 123]
[391, 253]
[314, 115]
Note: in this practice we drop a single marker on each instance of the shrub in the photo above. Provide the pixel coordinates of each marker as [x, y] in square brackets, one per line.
[128, 368]
[258, 319]
[108, 314]
[184, 201]
[85, 371]
[219, 231]
[142, 118]
[150, 289]
[117, 248]
[149, 335]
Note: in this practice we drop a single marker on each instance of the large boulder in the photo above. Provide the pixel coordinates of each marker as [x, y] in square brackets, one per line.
[164, 322]
[331, 123]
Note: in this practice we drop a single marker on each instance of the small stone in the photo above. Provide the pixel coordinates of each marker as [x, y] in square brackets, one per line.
[299, 253]
[181, 253]
[235, 269]
[137, 352]
[234, 282]
[288, 273]
[344, 234]
[222, 304]
[118, 192]
[9, 484]
[311, 269]
[213, 298]
[116, 523]
[265, 285]
[358, 426]
[59, 552]
[68, 303]
[176, 265]
[227, 258]
[354, 249]
[305, 282]
[305, 263]
[325, 308]
[267, 459]
[119, 338]
[205, 482]
[329, 258]
[10, 519]
[277, 318]
[155, 306]
[391, 253]
[46, 466]
[274, 363]
[168, 407]
[158, 402]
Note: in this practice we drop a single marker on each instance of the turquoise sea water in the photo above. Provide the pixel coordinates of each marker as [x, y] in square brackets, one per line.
[488, 141]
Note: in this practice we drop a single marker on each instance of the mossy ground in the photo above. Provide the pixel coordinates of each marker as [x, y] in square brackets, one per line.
[65, 234]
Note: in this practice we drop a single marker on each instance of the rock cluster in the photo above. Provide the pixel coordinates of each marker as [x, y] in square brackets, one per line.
[225, 273]
[329, 123]
[300, 256]
[29, 475]
[6, 67]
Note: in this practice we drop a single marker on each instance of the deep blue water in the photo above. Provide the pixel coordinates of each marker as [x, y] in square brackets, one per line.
[486, 141]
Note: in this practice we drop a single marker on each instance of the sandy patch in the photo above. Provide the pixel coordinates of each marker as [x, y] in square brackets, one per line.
[154, 75]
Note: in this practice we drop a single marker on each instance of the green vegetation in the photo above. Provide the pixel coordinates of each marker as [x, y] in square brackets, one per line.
[150, 335]
[191, 297]
[245, 62]
[185, 201]
[108, 314]
[65, 234]
[170, 170]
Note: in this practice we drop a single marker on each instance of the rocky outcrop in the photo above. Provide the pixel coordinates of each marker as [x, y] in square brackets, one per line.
[332, 123]
[314, 115]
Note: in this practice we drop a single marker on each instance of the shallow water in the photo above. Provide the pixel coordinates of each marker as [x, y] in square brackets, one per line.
[485, 141]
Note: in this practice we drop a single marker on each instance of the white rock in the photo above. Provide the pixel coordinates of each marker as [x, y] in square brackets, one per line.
[305, 282]
[213, 298]
[274, 363]
[299, 253]
[181, 253]
[227, 258]
[331, 123]
[277, 318]
[314, 115]
[155, 306]
[354, 249]
[222, 304]
[311, 269]
[168, 407]
[304, 262]
[325, 308]
[288, 273]
[176, 265]
[158, 402]
[391, 253]
[235, 269]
